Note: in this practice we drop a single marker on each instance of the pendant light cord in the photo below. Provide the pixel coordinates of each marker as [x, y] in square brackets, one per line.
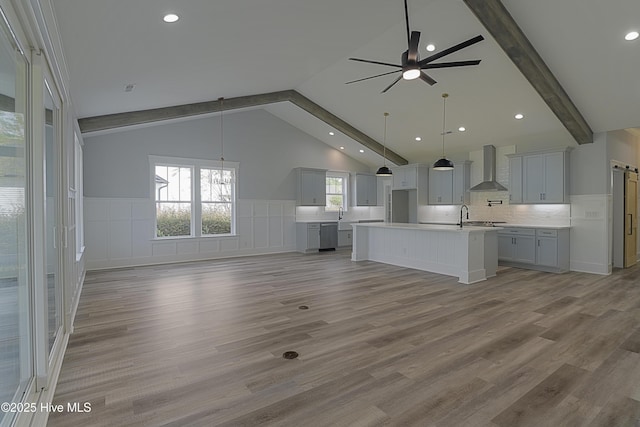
[444, 118]
[221, 140]
[221, 129]
[384, 147]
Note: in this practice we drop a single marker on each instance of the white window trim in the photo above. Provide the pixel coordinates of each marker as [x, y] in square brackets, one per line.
[345, 188]
[196, 217]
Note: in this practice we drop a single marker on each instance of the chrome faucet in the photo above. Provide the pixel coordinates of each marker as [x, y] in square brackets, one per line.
[340, 213]
[461, 208]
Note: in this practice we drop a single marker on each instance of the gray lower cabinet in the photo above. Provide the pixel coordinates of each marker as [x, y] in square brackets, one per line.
[345, 238]
[517, 245]
[307, 236]
[553, 248]
[539, 249]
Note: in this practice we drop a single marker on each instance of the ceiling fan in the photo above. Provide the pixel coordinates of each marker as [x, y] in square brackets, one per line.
[411, 64]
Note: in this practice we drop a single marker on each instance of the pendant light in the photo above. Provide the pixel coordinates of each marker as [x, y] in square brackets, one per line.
[222, 180]
[384, 170]
[443, 164]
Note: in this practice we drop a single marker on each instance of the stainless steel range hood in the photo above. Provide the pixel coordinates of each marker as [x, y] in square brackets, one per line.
[489, 182]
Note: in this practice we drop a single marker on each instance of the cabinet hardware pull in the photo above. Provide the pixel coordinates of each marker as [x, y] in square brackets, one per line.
[630, 224]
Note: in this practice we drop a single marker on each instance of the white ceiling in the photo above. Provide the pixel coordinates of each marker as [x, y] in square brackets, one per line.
[232, 48]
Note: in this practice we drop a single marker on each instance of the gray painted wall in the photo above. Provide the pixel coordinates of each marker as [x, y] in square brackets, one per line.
[589, 167]
[116, 164]
[622, 147]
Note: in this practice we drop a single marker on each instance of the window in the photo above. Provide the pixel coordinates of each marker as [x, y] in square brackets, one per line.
[216, 195]
[79, 196]
[193, 198]
[336, 191]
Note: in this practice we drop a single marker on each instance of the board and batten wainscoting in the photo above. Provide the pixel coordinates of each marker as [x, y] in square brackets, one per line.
[119, 233]
[591, 247]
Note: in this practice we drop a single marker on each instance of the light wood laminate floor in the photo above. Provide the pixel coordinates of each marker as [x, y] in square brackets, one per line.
[201, 344]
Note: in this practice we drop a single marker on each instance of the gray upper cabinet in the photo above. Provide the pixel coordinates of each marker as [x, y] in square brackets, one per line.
[450, 187]
[461, 183]
[366, 189]
[515, 179]
[539, 178]
[440, 187]
[312, 187]
[405, 177]
[544, 178]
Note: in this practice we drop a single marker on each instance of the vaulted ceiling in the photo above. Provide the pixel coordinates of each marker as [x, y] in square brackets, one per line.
[235, 48]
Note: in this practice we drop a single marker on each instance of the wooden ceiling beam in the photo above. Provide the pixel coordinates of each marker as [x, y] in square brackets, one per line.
[506, 32]
[134, 118]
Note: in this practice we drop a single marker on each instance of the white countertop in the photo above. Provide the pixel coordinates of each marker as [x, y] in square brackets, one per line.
[547, 227]
[512, 225]
[428, 227]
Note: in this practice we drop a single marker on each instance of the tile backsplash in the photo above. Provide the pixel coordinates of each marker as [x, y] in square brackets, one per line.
[353, 213]
[552, 214]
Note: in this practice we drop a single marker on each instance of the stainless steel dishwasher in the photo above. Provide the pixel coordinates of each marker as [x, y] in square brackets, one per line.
[328, 236]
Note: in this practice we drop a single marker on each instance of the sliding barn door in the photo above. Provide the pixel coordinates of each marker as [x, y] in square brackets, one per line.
[630, 218]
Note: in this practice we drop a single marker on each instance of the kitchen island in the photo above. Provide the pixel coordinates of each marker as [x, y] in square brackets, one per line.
[469, 253]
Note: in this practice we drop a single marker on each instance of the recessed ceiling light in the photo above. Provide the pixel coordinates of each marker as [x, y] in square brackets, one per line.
[431, 47]
[342, 148]
[362, 151]
[331, 133]
[631, 36]
[519, 116]
[418, 138]
[462, 128]
[170, 17]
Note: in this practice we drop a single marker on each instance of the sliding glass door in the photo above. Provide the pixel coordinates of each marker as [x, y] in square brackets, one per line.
[16, 366]
[54, 308]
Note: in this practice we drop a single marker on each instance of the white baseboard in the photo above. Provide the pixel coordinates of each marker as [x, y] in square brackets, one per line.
[587, 267]
[170, 259]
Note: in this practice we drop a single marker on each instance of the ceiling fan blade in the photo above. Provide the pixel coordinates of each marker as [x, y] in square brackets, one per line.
[372, 77]
[375, 62]
[413, 46]
[394, 82]
[450, 64]
[427, 79]
[450, 50]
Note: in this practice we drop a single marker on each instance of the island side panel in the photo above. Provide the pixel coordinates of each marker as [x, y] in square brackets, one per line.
[472, 259]
[491, 253]
[434, 251]
[360, 243]
[449, 251]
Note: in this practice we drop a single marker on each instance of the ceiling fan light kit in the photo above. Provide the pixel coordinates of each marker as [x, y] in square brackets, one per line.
[411, 65]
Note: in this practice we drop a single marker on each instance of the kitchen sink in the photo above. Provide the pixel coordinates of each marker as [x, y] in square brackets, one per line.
[344, 225]
[483, 223]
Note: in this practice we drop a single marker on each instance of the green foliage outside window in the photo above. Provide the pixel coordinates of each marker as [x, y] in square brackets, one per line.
[216, 223]
[173, 222]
